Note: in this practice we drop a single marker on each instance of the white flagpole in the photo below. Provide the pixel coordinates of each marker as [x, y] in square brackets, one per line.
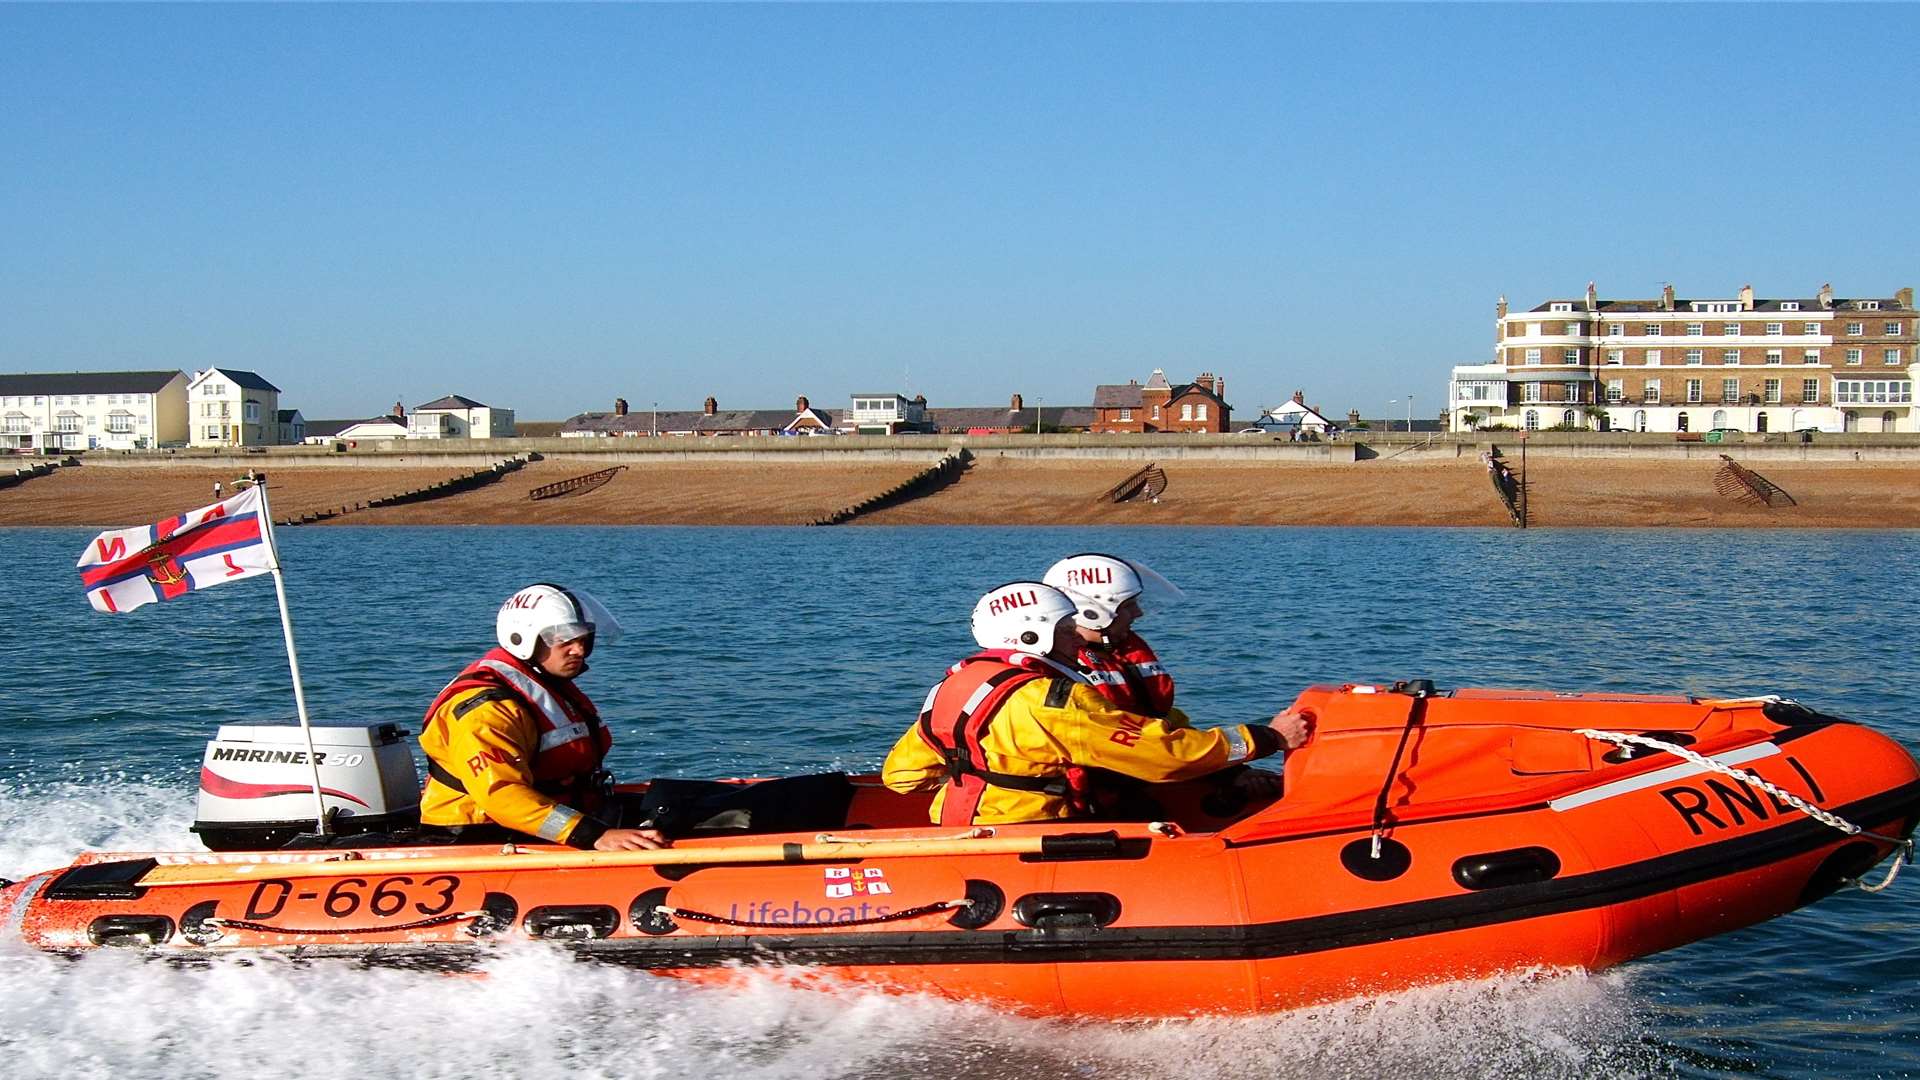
[293, 655]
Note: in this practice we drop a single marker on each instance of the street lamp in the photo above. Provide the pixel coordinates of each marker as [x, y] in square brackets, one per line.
[653, 422]
[1391, 402]
[1409, 414]
[1037, 403]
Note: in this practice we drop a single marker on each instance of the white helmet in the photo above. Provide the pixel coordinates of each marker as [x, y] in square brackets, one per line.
[1100, 584]
[552, 614]
[1020, 616]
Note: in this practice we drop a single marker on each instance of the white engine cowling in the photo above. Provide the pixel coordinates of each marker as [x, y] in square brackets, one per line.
[256, 788]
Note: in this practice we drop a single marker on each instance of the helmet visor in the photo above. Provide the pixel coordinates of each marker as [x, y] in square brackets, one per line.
[595, 619]
[1156, 592]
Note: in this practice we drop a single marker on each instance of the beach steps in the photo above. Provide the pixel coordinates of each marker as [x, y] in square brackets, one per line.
[1147, 483]
[1511, 488]
[1736, 481]
[575, 485]
[44, 468]
[925, 482]
[454, 485]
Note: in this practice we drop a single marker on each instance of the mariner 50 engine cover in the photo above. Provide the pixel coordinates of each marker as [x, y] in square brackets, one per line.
[256, 784]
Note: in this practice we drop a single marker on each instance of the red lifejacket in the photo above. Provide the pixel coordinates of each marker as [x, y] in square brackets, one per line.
[955, 718]
[1127, 673]
[573, 741]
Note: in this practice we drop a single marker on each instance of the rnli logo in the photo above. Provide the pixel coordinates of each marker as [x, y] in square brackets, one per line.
[844, 881]
[1012, 601]
[1093, 575]
[165, 571]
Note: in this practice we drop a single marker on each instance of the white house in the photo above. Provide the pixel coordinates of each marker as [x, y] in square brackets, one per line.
[293, 427]
[230, 407]
[456, 417]
[885, 414]
[87, 410]
[1294, 417]
[377, 429]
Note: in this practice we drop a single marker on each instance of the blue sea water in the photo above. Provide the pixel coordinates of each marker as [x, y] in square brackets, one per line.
[764, 650]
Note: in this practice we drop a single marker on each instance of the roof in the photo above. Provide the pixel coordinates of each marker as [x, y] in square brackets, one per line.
[1196, 388]
[86, 382]
[286, 416]
[245, 379]
[721, 422]
[1684, 305]
[962, 419]
[324, 428]
[1118, 396]
[449, 403]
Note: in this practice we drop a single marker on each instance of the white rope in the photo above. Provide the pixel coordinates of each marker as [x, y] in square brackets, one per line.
[1903, 849]
[979, 833]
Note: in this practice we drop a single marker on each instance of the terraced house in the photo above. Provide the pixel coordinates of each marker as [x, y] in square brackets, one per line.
[90, 410]
[1821, 362]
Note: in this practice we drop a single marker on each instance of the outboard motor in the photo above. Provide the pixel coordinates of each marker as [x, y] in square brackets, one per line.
[256, 788]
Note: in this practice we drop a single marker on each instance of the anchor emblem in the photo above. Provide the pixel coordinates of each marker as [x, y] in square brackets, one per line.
[165, 571]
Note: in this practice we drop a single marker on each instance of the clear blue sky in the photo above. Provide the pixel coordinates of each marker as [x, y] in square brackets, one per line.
[545, 207]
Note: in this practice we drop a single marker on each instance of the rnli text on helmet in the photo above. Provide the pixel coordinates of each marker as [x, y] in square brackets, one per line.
[1090, 575]
[1010, 601]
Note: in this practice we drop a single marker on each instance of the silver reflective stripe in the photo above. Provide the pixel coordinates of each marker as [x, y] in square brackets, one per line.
[18, 916]
[1065, 671]
[1659, 776]
[973, 700]
[1238, 747]
[556, 823]
[564, 729]
[1152, 667]
[1106, 678]
[927, 706]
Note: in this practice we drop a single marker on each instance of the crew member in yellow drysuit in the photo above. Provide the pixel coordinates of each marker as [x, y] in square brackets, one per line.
[1000, 733]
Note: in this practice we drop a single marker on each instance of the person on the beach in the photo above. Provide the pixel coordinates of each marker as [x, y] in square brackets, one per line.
[1106, 593]
[998, 735]
[513, 747]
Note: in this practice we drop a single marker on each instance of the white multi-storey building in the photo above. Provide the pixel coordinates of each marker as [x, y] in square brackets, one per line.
[230, 407]
[89, 410]
[456, 417]
[885, 414]
[1675, 365]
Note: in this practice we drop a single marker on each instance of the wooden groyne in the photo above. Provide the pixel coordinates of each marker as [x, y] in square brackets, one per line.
[453, 485]
[1511, 488]
[21, 476]
[925, 482]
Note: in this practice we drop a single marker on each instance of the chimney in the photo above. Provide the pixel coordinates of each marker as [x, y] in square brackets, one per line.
[1353, 415]
[1500, 309]
[1826, 296]
[1746, 298]
[710, 407]
[1593, 298]
[1299, 397]
[1666, 297]
[619, 406]
[1220, 387]
[399, 410]
[1205, 379]
[1904, 298]
[800, 404]
[1016, 404]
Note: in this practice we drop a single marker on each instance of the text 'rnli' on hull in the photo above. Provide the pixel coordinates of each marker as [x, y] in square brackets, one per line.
[1422, 837]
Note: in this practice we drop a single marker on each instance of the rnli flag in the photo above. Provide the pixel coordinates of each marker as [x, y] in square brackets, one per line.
[125, 568]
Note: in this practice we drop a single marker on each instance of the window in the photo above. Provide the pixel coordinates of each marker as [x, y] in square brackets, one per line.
[1533, 420]
[1651, 394]
[1894, 356]
[1731, 329]
[1696, 356]
[1693, 391]
[1560, 306]
[1616, 356]
[1716, 305]
[1574, 329]
[1810, 328]
[1775, 329]
[1893, 329]
[1126, 414]
[120, 422]
[1730, 356]
[213, 431]
[1529, 392]
[1811, 356]
[1810, 391]
[208, 389]
[1639, 420]
[1186, 411]
[253, 412]
[1156, 412]
[1573, 393]
[1569, 356]
[1855, 329]
[1533, 356]
[1684, 421]
[1729, 392]
[1719, 418]
[1653, 357]
[1868, 305]
[16, 423]
[1616, 391]
[1872, 392]
[1854, 356]
[1773, 391]
[1653, 329]
[67, 421]
[1774, 356]
[1617, 329]
[1200, 411]
[1790, 305]
[1533, 329]
[1695, 329]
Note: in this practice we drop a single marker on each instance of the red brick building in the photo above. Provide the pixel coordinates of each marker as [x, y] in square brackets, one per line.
[1198, 406]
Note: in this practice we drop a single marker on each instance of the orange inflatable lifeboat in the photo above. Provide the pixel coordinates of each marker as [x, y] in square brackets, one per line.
[1421, 837]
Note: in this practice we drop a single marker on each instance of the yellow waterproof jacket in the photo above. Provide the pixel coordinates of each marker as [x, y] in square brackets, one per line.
[1049, 725]
[488, 741]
